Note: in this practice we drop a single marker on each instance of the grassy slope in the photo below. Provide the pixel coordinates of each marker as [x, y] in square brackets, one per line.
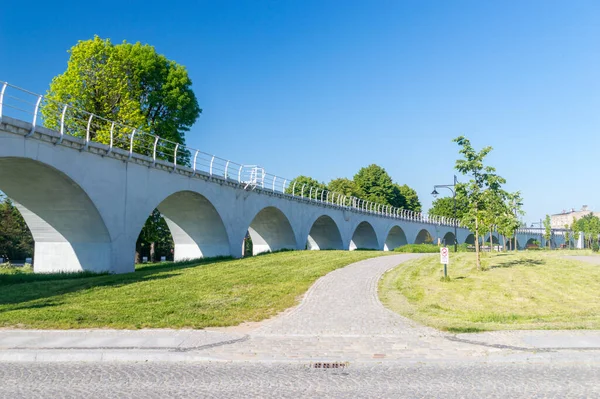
[528, 290]
[215, 293]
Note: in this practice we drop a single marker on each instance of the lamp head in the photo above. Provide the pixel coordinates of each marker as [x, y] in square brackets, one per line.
[434, 193]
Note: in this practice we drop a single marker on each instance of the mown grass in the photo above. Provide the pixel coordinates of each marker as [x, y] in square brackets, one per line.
[526, 290]
[198, 294]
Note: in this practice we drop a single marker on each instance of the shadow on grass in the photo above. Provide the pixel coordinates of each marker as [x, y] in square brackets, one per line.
[520, 262]
[24, 287]
[463, 330]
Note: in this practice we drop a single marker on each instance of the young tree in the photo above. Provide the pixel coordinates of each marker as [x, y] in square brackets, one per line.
[473, 192]
[568, 236]
[508, 222]
[576, 231]
[548, 231]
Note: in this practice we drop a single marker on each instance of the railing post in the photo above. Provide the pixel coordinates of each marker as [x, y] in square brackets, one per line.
[175, 158]
[284, 183]
[154, 151]
[239, 173]
[294, 189]
[327, 197]
[302, 192]
[226, 167]
[112, 129]
[2, 98]
[35, 112]
[274, 180]
[211, 164]
[131, 144]
[87, 132]
[62, 124]
[322, 192]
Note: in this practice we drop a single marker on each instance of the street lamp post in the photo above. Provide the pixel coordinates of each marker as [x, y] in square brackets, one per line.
[516, 206]
[435, 194]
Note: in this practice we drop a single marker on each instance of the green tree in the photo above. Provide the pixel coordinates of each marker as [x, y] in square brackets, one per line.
[345, 187]
[301, 186]
[16, 241]
[548, 230]
[155, 239]
[377, 186]
[483, 178]
[128, 83]
[568, 236]
[411, 199]
[575, 230]
[444, 207]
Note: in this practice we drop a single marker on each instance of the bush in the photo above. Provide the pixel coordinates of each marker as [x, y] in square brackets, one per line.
[418, 249]
[595, 247]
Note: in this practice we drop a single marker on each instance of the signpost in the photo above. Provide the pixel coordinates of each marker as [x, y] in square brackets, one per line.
[444, 259]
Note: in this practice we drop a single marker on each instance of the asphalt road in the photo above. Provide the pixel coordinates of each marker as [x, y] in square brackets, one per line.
[275, 380]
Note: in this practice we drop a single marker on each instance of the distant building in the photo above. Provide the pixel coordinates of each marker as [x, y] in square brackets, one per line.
[566, 217]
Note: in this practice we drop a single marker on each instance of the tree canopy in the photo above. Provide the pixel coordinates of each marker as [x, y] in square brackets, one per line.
[345, 187]
[128, 83]
[444, 206]
[296, 186]
[377, 186]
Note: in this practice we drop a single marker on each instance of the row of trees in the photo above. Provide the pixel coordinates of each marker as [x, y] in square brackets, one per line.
[371, 183]
[589, 225]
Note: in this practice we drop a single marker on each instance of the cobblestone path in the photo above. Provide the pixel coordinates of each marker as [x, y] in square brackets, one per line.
[341, 318]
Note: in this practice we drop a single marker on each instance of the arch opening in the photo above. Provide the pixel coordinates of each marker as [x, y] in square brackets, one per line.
[324, 234]
[448, 239]
[270, 230]
[395, 238]
[533, 243]
[424, 237]
[364, 237]
[194, 229]
[470, 239]
[68, 232]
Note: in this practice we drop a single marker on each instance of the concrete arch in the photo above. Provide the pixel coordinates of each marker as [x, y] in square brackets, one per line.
[324, 234]
[470, 239]
[423, 237]
[364, 237]
[531, 241]
[197, 228]
[395, 238]
[448, 239]
[69, 233]
[271, 231]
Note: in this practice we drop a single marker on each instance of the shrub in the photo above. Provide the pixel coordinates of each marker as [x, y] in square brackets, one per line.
[418, 248]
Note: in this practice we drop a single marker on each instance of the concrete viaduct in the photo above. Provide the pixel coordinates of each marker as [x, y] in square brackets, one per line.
[86, 203]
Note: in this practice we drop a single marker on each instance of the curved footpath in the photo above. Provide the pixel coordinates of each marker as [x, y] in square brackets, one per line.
[340, 319]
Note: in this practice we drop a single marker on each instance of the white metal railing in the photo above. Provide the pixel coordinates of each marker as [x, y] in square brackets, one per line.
[25, 105]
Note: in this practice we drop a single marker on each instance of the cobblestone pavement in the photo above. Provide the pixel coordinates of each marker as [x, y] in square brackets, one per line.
[260, 380]
[342, 319]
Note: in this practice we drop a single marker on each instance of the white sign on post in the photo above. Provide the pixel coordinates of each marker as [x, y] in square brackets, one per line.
[444, 256]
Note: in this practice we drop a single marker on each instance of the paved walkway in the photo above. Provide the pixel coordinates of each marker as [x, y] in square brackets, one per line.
[340, 319]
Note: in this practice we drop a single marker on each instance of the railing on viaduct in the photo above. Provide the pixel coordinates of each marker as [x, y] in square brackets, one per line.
[69, 120]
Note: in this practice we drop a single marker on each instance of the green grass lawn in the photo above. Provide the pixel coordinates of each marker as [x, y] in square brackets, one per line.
[527, 290]
[196, 294]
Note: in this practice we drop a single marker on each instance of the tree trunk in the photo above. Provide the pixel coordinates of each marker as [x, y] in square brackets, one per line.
[491, 240]
[152, 245]
[477, 260]
[504, 249]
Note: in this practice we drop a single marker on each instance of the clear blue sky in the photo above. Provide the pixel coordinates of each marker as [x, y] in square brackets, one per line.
[322, 88]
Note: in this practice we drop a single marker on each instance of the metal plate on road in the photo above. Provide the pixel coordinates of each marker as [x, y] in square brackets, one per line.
[444, 255]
